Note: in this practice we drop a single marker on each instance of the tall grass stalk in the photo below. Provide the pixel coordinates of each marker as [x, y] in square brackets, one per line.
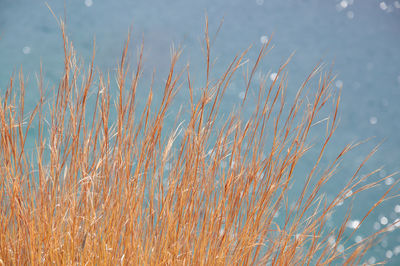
[108, 184]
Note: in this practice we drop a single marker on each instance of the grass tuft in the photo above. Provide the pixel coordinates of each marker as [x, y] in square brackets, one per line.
[108, 184]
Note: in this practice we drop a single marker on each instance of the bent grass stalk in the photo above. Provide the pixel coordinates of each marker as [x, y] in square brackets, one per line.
[105, 189]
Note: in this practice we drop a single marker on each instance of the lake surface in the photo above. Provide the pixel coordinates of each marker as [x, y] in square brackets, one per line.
[361, 37]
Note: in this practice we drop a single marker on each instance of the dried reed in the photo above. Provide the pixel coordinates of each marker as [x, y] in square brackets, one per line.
[118, 189]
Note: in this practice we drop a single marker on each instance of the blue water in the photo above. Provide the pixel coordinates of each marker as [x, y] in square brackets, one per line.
[361, 37]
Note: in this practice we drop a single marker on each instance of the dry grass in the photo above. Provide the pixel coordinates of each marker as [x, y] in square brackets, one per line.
[118, 189]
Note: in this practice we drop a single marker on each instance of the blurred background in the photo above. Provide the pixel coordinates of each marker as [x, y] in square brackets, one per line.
[361, 38]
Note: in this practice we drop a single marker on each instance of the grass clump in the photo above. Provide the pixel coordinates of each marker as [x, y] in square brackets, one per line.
[106, 184]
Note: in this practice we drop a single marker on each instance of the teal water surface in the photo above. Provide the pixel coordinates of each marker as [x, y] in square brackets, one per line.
[361, 37]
